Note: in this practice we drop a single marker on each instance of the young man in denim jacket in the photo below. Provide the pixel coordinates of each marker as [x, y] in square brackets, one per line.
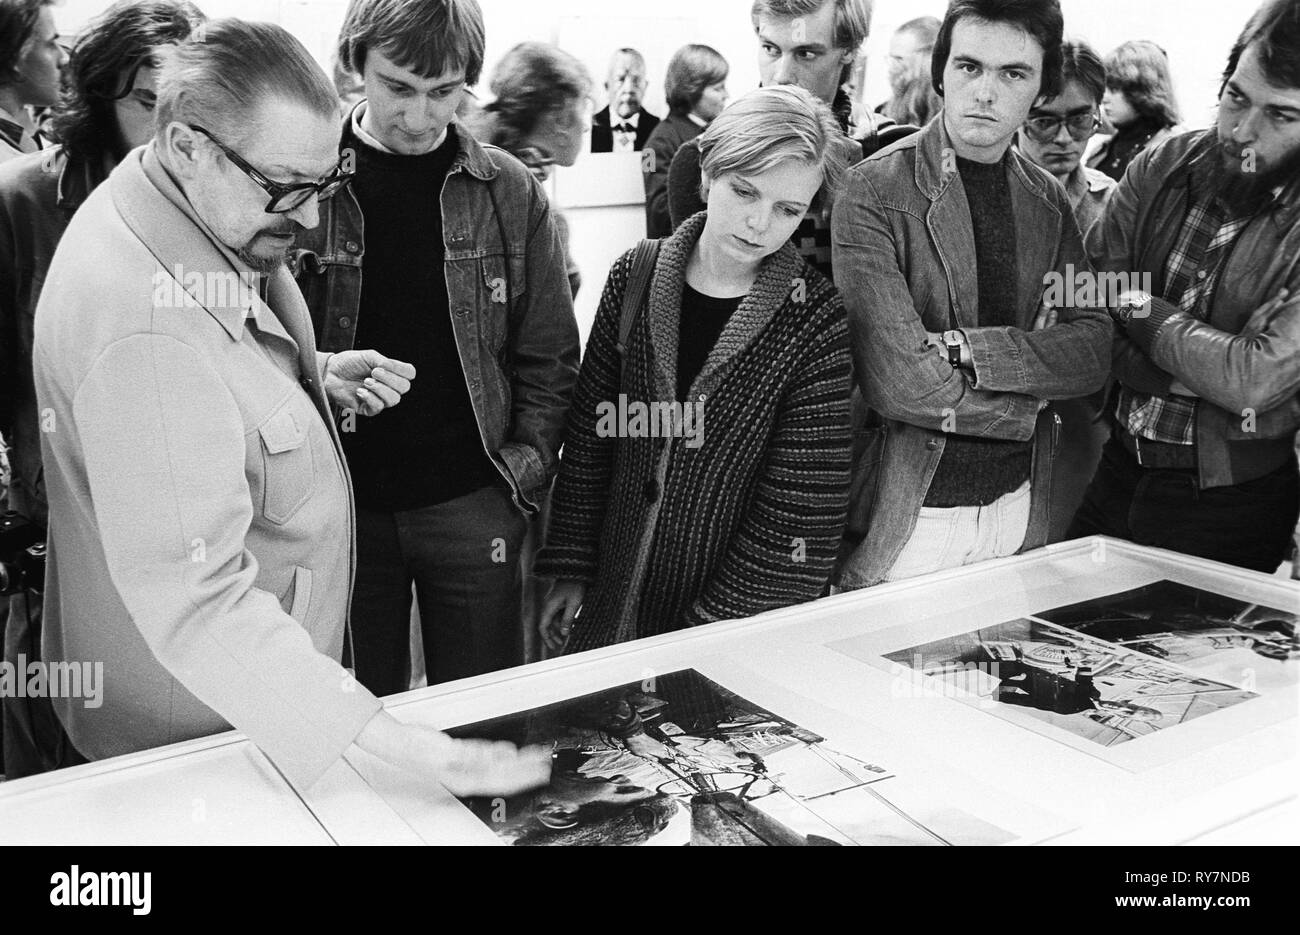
[950, 249]
[1201, 458]
[446, 249]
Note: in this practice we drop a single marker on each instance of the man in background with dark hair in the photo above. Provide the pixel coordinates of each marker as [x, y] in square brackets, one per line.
[623, 125]
[943, 245]
[477, 297]
[107, 109]
[910, 49]
[201, 513]
[1202, 459]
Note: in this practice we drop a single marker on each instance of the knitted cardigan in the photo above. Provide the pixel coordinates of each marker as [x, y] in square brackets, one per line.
[666, 535]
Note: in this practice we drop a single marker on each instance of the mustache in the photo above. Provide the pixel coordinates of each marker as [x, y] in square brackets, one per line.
[289, 227]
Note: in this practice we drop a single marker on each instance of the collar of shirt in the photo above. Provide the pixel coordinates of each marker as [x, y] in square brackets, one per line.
[698, 121]
[257, 311]
[362, 135]
[1083, 181]
[616, 121]
[17, 134]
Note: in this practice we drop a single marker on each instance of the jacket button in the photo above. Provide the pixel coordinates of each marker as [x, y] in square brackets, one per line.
[463, 311]
[345, 322]
[651, 491]
[932, 444]
[352, 246]
[458, 237]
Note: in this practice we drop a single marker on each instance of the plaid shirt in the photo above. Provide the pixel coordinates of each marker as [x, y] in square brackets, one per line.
[1191, 271]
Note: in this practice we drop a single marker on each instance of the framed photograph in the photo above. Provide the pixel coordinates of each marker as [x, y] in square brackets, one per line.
[678, 758]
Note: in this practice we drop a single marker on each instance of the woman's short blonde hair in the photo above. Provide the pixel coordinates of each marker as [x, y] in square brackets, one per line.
[769, 126]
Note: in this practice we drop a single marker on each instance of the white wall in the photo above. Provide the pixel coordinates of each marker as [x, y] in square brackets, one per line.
[1196, 33]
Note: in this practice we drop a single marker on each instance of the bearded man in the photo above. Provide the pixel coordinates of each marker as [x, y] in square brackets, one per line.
[1201, 459]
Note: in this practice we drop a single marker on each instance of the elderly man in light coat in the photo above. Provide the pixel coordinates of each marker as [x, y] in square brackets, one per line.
[200, 509]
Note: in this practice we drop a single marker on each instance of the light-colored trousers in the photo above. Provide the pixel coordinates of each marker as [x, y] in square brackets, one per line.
[956, 536]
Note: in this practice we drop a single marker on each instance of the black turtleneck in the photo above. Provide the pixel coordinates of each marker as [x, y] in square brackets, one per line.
[976, 471]
[428, 449]
[1123, 147]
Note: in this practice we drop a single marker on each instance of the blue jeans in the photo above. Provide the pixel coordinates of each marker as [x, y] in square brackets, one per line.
[464, 559]
[1248, 525]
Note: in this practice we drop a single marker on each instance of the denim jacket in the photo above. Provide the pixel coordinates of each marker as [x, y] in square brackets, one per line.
[904, 255]
[511, 306]
[1244, 365]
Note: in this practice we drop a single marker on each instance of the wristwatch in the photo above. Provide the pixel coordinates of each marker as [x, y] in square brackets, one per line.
[954, 341]
[1123, 314]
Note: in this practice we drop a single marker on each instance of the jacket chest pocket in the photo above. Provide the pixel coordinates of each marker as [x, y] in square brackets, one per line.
[288, 470]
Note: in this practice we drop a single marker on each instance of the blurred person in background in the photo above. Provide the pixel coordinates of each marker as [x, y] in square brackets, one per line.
[910, 49]
[539, 115]
[31, 61]
[1139, 105]
[623, 125]
[918, 104]
[734, 504]
[696, 87]
[106, 110]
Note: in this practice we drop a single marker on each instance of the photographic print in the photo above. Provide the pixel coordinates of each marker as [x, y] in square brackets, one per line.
[1037, 674]
[1251, 645]
[679, 759]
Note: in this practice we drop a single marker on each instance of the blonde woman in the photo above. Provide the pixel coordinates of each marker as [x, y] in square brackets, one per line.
[705, 471]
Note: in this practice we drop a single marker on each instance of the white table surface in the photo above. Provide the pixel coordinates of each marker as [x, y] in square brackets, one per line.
[1227, 777]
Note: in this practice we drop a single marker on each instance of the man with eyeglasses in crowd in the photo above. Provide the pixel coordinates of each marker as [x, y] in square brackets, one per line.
[447, 249]
[201, 517]
[1054, 138]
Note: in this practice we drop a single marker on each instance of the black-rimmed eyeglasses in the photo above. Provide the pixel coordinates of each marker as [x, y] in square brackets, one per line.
[283, 197]
[1079, 126]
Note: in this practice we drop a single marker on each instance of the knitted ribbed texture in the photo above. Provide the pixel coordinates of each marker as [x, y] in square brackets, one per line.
[667, 536]
[977, 471]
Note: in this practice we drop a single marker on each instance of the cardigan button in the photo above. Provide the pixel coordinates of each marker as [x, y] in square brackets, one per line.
[932, 444]
[651, 491]
[345, 322]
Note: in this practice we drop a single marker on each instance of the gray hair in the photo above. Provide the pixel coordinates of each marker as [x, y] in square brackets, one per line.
[228, 67]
